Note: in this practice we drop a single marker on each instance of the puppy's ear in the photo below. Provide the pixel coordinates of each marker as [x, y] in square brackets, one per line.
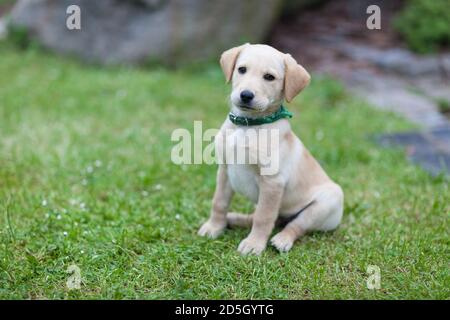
[296, 78]
[228, 60]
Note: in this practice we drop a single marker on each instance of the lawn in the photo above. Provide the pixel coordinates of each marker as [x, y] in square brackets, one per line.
[86, 179]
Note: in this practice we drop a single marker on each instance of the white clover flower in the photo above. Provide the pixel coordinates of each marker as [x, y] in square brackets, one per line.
[98, 163]
[44, 203]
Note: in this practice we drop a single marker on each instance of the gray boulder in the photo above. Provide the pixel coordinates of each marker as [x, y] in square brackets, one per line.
[139, 31]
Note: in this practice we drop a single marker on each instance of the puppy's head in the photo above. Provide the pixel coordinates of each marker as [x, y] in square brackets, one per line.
[262, 77]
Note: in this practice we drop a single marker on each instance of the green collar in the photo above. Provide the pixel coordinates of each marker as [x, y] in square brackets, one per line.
[245, 121]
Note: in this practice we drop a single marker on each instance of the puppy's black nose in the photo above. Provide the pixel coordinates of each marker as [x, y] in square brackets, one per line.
[247, 96]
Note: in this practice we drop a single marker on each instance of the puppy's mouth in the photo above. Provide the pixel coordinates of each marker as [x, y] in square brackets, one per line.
[248, 106]
[245, 106]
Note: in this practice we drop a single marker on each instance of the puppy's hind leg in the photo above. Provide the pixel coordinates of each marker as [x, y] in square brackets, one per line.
[324, 214]
[243, 220]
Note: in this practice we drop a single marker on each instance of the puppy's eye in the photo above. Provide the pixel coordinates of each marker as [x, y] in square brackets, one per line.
[242, 70]
[269, 77]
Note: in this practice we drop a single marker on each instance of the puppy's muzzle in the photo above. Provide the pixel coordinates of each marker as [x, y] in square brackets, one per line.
[247, 96]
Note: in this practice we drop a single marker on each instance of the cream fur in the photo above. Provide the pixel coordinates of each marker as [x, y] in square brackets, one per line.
[300, 179]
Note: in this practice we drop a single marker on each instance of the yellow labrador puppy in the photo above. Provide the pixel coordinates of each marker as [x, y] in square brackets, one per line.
[298, 194]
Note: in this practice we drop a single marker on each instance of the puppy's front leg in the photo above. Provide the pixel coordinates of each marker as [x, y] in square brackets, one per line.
[264, 217]
[221, 201]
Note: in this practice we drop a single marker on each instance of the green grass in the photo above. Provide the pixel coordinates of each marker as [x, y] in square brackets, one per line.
[7, 2]
[95, 145]
[424, 25]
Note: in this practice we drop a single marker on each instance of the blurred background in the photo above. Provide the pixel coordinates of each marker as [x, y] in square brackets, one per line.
[86, 118]
[403, 67]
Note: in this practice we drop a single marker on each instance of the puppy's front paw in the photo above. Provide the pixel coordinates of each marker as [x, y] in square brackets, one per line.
[211, 229]
[282, 241]
[252, 246]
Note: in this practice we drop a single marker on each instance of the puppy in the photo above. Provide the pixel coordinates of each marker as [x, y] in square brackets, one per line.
[299, 193]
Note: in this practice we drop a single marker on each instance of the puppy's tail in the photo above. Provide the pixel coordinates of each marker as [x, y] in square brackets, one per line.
[239, 220]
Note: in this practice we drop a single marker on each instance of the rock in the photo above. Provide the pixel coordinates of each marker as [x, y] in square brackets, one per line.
[398, 60]
[393, 93]
[429, 149]
[139, 31]
[445, 64]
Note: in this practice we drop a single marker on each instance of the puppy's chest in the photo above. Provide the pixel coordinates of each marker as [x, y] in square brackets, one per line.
[244, 180]
[242, 151]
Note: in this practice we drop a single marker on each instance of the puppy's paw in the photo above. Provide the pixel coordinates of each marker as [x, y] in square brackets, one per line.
[282, 241]
[211, 230]
[252, 246]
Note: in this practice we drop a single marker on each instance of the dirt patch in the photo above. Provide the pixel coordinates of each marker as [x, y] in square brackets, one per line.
[304, 34]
